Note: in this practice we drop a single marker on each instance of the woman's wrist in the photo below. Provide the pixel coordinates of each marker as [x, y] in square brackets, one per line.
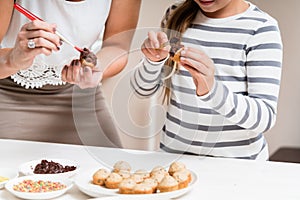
[8, 66]
[11, 61]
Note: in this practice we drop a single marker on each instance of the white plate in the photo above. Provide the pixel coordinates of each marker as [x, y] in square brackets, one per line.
[43, 195]
[84, 183]
[28, 167]
[7, 173]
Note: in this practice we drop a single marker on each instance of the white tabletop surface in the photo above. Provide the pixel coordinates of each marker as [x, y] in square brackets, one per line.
[217, 178]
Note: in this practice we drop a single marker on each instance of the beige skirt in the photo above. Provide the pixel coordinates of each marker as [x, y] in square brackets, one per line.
[62, 114]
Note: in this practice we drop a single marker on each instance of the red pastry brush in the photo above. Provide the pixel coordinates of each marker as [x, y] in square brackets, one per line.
[32, 17]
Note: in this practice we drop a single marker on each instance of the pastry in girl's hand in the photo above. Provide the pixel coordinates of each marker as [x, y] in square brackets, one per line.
[176, 48]
[88, 58]
[176, 57]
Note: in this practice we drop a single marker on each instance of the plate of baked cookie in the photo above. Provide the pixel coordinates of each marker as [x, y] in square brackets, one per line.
[155, 183]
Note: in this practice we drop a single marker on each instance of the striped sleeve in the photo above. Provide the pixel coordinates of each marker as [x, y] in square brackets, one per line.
[257, 110]
[146, 78]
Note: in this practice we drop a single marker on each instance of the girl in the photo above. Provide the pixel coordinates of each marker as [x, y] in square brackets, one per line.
[224, 93]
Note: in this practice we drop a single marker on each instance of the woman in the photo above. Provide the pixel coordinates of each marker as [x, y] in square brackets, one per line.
[225, 91]
[45, 96]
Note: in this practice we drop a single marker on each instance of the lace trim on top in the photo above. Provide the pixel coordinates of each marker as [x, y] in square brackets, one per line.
[38, 75]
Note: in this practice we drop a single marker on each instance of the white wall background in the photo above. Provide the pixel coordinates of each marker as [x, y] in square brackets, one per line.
[139, 120]
[139, 123]
[286, 132]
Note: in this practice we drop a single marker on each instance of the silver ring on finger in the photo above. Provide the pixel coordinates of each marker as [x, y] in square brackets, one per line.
[31, 44]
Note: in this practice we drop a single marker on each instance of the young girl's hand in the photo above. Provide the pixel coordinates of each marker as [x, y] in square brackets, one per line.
[44, 37]
[84, 77]
[201, 67]
[152, 46]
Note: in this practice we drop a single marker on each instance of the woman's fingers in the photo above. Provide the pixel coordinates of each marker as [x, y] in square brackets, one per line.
[41, 42]
[34, 38]
[51, 38]
[87, 75]
[64, 73]
[42, 33]
[71, 73]
[39, 25]
[84, 77]
[89, 78]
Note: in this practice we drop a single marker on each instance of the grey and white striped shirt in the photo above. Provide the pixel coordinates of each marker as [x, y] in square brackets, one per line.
[231, 119]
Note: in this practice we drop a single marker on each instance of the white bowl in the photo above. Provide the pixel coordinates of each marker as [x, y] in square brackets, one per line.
[28, 167]
[7, 173]
[42, 195]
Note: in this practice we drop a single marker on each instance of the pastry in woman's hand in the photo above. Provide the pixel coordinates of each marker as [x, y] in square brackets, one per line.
[88, 58]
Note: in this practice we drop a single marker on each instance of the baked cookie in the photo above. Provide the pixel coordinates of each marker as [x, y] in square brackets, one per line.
[126, 186]
[158, 175]
[100, 176]
[158, 169]
[113, 181]
[176, 166]
[124, 173]
[152, 183]
[168, 184]
[182, 178]
[121, 166]
[187, 173]
[142, 188]
[141, 172]
[138, 178]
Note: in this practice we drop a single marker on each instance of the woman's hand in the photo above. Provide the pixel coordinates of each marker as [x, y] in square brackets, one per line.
[201, 67]
[152, 46]
[45, 41]
[83, 76]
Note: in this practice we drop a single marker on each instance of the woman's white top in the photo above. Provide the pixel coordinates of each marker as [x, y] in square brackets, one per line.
[83, 23]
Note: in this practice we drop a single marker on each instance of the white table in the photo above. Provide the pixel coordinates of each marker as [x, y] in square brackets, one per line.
[218, 178]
